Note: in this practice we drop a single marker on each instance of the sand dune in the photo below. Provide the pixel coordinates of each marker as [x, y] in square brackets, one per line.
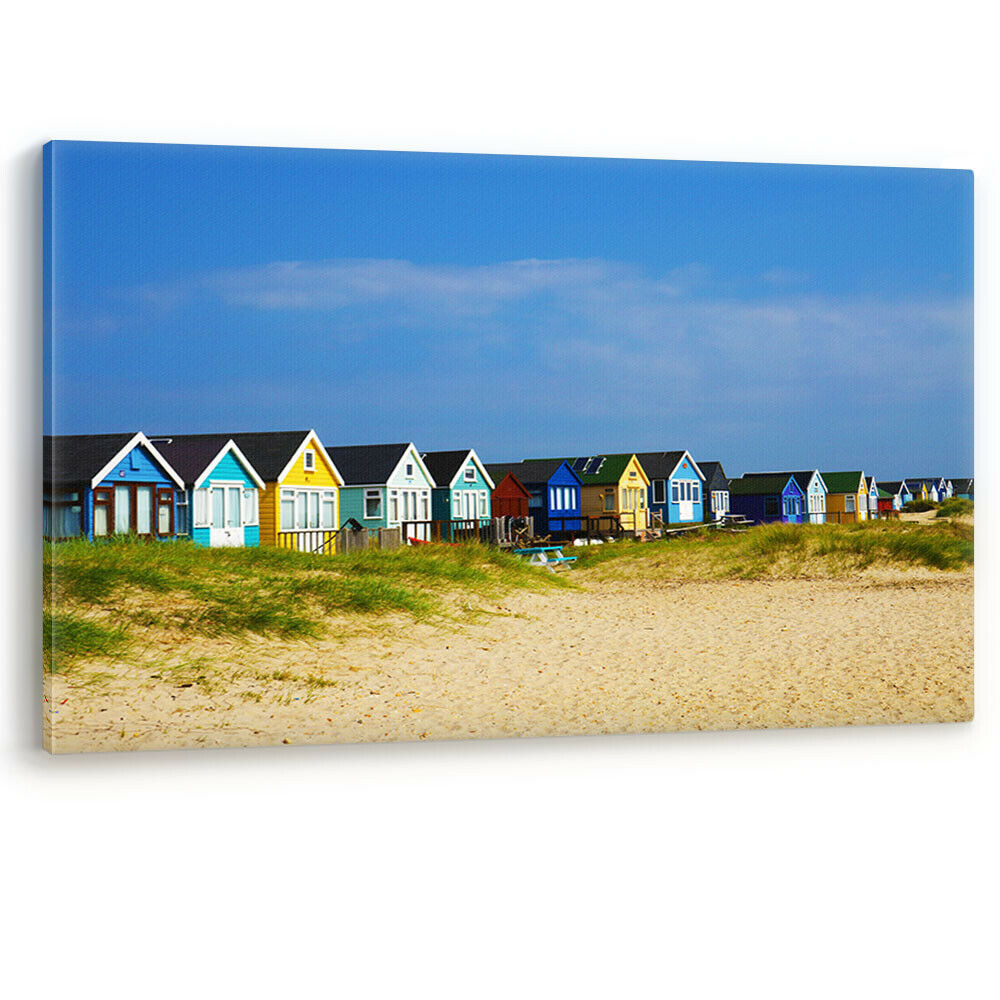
[609, 658]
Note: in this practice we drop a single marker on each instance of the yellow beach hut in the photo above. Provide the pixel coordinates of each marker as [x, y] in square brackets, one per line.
[300, 502]
[614, 486]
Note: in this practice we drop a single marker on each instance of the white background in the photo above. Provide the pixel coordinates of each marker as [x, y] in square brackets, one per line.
[802, 864]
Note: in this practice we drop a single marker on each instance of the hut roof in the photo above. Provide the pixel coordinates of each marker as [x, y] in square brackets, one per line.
[842, 482]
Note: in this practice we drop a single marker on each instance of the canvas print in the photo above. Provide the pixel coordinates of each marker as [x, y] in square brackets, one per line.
[348, 446]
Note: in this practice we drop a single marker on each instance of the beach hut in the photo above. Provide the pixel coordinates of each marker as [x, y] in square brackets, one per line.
[886, 501]
[99, 485]
[676, 486]
[464, 487]
[931, 488]
[872, 488]
[614, 486]
[300, 502]
[220, 503]
[846, 496]
[766, 497]
[386, 486]
[813, 486]
[554, 491]
[510, 496]
[897, 490]
[964, 488]
[715, 491]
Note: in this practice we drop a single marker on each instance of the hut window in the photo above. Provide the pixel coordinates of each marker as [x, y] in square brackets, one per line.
[696, 492]
[200, 508]
[555, 498]
[250, 506]
[165, 511]
[309, 461]
[102, 512]
[409, 468]
[393, 506]
[456, 503]
[218, 507]
[536, 499]
[675, 492]
[328, 504]
[123, 510]
[771, 507]
[313, 510]
[849, 503]
[144, 510]
[373, 504]
[300, 510]
[659, 490]
[182, 513]
[287, 510]
[234, 507]
[609, 499]
[61, 515]
[482, 503]
[470, 474]
[425, 501]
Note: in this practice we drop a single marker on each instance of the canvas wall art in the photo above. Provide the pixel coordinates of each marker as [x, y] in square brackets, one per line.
[348, 446]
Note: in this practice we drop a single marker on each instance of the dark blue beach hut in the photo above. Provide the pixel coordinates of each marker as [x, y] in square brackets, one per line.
[765, 498]
[99, 485]
[554, 488]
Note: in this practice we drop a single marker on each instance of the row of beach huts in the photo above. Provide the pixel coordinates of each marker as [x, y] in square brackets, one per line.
[286, 489]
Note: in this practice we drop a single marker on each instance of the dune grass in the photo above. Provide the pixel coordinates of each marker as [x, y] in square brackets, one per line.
[777, 551]
[68, 637]
[955, 507]
[100, 595]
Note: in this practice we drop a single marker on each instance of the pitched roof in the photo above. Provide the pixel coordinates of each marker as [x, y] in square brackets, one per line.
[714, 474]
[842, 482]
[363, 464]
[189, 454]
[760, 484]
[445, 465]
[962, 485]
[891, 486]
[802, 478]
[77, 458]
[600, 470]
[269, 451]
[530, 471]
[882, 494]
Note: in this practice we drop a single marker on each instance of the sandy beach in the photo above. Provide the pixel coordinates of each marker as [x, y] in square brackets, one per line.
[615, 656]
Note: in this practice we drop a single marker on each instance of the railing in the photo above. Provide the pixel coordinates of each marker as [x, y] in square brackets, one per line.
[306, 540]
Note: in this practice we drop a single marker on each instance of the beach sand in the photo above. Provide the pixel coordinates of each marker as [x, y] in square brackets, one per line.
[615, 656]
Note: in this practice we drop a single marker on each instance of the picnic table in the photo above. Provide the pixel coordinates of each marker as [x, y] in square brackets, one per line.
[549, 556]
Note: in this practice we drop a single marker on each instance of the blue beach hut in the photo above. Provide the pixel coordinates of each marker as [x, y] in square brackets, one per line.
[220, 505]
[765, 497]
[676, 486]
[100, 485]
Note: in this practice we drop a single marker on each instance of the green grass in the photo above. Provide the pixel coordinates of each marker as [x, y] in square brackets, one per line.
[262, 591]
[776, 551]
[956, 507]
[68, 637]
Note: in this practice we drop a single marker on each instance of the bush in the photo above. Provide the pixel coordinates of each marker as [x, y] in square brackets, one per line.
[919, 506]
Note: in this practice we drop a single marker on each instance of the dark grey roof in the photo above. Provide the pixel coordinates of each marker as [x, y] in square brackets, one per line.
[715, 476]
[77, 458]
[802, 479]
[761, 484]
[659, 464]
[189, 454]
[962, 485]
[444, 465]
[269, 451]
[531, 472]
[891, 486]
[361, 464]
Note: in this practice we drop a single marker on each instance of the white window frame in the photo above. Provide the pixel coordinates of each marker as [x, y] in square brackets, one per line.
[696, 492]
[313, 499]
[482, 503]
[675, 491]
[201, 516]
[470, 473]
[251, 506]
[309, 460]
[393, 511]
[375, 494]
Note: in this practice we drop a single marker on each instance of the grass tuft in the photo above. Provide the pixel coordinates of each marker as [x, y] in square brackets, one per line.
[69, 637]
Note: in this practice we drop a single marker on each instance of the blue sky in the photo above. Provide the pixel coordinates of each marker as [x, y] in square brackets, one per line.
[767, 316]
